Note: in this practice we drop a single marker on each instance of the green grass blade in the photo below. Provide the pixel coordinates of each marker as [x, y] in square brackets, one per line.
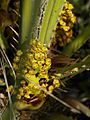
[78, 42]
[80, 67]
[7, 114]
[5, 57]
[50, 19]
[29, 15]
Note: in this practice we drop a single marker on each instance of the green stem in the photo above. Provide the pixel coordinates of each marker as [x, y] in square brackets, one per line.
[29, 15]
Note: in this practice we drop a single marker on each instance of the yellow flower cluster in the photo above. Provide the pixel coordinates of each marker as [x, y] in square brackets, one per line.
[63, 32]
[28, 91]
[36, 69]
[55, 84]
[37, 64]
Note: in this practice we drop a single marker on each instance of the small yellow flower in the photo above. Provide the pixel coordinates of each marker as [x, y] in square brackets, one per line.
[48, 61]
[30, 56]
[39, 63]
[52, 77]
[39, 44]
[31, 72]
[27, 75]
[70, 13]
[23, 82]
[36, 87]
[26, 88]
[19, 96]
[44, 85]
[15, 66]
[56, 83]
[21, 90]
[21, 93]
[30, 85]
[70, 6]
[69, 33]
[27, 96]
[62, 22]
[66, 28]
[62, 12]
[16, 59]
[10, 88]
[42, 61]
[73, 19]
[37, 56]
[44, 49]
[35, 66]
[39, 50]
[64, 17]
[42, 56]
[50, 88]
[19, 53]
[45, 76]
[58, 75]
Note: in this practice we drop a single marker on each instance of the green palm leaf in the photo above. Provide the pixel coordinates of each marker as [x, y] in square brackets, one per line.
[50, 19]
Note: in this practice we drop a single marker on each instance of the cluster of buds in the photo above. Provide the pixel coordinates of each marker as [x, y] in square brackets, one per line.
[38, 63]
[64, 32]
[36, 68]
[28, 91]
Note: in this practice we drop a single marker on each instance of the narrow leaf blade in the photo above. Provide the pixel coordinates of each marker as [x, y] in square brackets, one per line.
[50, 19]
